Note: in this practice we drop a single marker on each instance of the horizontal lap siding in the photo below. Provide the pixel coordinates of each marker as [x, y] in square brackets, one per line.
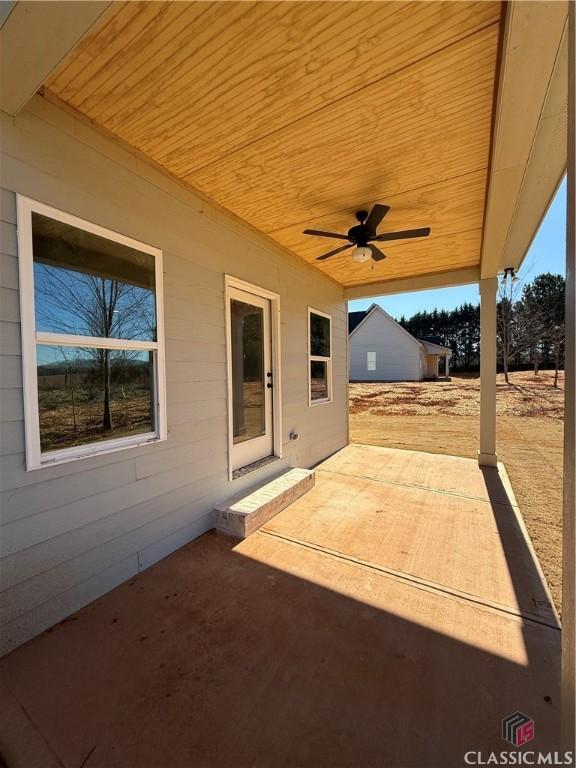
[398, 356]
[72, 532]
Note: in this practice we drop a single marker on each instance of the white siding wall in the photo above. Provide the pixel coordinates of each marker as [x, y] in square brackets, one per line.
[72, 532]
[398, 357]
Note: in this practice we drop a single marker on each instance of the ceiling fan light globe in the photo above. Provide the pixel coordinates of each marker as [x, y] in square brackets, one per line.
[361, 253]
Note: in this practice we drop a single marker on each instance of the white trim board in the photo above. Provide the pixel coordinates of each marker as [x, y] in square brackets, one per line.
[34, 38]
[445, 279]
[30, 340]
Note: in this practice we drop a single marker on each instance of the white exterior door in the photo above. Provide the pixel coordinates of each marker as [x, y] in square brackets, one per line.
[251, 377]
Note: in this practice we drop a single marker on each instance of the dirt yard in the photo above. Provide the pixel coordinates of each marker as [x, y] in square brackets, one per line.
[443, 417]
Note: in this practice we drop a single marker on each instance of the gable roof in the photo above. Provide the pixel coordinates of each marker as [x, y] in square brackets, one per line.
[377, 308]
[435, 349]
[434, 345]
[432, 339]
[356, 319]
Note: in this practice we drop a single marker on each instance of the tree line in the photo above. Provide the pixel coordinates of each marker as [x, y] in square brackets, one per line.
[530, 327]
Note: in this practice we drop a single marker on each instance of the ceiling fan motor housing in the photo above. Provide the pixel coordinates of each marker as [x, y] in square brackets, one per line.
[359, 234]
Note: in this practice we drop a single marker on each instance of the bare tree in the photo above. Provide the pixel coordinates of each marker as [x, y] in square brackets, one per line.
[510, 335]
[85, 304]
[543, 308]
[558, 342]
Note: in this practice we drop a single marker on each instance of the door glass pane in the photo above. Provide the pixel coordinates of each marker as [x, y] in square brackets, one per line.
[86, 395]
[248, 375]
[319, 335]
[318, 380]
[87, 285]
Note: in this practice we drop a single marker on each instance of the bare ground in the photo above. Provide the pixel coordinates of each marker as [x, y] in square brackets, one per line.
[443, 417]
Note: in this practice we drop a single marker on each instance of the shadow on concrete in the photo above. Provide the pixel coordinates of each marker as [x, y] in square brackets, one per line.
[520, 557]
[213, 659]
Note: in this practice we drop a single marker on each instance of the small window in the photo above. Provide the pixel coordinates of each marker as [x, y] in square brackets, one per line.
[371, 361]
[319, 357]
[91, 337]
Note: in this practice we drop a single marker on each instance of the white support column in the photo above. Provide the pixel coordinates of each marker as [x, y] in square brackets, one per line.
[487, 452]
[569, 505]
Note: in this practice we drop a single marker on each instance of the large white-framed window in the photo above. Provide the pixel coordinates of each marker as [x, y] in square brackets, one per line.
[370, 361]
[319, 357]
[92, 337]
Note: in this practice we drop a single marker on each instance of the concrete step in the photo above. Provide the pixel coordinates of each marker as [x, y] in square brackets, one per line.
[244, 514]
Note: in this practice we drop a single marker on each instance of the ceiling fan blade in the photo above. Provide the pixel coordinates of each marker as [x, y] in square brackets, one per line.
[375, 216]
[404, 235]
[334, 252]
[319, 233]
[377, 254]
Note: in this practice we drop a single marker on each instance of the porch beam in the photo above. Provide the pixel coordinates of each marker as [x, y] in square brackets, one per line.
[417, 283]
[569, 500]
[487, 453]
[528, 158]
[34, 39]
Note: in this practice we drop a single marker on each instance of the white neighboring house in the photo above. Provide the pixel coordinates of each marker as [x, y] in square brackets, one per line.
[381, 350]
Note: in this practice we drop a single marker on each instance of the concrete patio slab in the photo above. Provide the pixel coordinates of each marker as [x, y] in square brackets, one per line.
[462, 532]
[437, 472]
[275, 652]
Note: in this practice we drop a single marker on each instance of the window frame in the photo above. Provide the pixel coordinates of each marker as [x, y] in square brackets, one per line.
[319, 358]
[35, 458]
[369, 362]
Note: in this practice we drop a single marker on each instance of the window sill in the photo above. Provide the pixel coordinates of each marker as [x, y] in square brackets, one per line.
[68, 455]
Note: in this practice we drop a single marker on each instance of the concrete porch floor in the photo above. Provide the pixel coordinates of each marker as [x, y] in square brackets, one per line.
[392, 616]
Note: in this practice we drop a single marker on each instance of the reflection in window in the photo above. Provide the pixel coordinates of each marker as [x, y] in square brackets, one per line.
[318, 380]
[90, 286]
[248, 401]
[320, 356]
[319, 335]
[94, 368]
[90, 394]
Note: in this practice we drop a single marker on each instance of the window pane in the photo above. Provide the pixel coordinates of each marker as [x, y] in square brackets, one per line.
[371, 361]
[91, 286]
[319, 335]
[318, 380]
[248, 385]
[86, 395]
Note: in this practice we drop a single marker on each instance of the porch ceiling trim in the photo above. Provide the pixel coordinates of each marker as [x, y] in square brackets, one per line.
[419, 283]
[529, 139]
[34, 38]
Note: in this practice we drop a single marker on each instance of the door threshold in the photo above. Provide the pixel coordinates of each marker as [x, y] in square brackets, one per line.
[254, 466]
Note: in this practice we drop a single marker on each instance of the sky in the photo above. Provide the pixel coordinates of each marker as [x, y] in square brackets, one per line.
[546, 254]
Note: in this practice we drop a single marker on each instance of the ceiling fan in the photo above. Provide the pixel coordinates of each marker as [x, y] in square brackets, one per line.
[363, 234]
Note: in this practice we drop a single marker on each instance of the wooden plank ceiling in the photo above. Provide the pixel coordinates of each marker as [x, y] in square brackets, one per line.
[296, 114]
